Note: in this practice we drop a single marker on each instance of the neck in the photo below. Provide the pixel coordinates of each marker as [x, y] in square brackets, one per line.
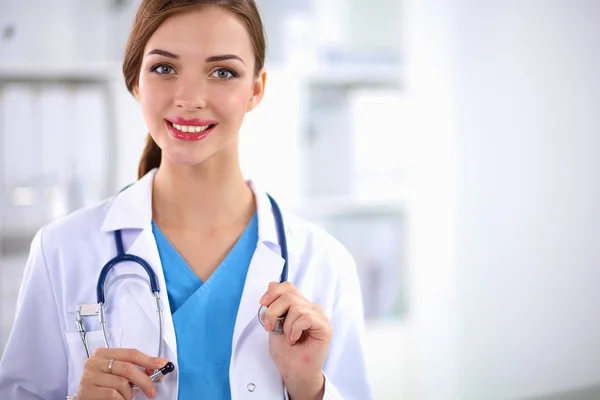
[204, 198]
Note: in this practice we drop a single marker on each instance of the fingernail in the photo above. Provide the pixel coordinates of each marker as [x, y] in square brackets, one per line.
[153, 393]
[264, 298]
[161, 362]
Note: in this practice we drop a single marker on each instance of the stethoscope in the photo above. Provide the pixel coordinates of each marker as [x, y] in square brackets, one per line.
[99, 310]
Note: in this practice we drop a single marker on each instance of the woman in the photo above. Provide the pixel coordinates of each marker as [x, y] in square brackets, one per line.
[210, 237]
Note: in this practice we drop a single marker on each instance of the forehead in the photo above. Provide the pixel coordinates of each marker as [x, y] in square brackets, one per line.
[203, 32]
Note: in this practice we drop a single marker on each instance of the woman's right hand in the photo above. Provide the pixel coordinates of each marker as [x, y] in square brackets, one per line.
[98, 383]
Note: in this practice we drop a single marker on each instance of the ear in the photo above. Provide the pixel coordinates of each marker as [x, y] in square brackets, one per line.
[258, 90]
[136, 93]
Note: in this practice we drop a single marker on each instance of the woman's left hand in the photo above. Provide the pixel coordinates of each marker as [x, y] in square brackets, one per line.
[300, 351]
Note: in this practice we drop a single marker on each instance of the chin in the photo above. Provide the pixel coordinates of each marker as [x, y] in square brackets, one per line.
[188, 158]
[192, 154]
[186, 161]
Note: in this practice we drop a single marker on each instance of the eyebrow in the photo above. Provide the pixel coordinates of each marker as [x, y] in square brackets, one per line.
[224, 57]
[221, 57]
[163, 53]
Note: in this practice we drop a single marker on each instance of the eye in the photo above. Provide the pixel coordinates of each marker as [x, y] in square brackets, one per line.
[224, 73]
[163, 69]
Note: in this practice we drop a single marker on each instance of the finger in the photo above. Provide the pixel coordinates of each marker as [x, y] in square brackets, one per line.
[294, 313]
[275, 290]
[152, 371]
[116, 382]
[280, 307]
[135, 376]
[131, 356]
[317, 326]
[130, 373]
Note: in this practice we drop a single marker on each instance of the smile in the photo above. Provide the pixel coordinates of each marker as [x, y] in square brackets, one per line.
[189, 132]
[192, 128]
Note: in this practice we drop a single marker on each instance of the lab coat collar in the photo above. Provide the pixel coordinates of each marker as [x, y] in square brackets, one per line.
[267, 231]
[132, 207]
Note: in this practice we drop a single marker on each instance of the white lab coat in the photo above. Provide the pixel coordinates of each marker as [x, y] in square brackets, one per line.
[44, 355]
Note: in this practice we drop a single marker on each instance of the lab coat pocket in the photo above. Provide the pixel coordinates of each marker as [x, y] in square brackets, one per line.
[77, 355]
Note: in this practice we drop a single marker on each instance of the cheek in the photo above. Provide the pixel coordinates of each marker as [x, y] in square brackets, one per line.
[231, 103]
[152, 98]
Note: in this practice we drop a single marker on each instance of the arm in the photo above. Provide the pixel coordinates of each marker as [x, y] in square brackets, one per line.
[345, 368]
[34, 363]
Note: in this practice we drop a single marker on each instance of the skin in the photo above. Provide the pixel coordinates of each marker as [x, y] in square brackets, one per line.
[200, 198]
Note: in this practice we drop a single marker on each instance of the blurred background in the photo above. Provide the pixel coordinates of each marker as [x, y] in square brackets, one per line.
[451, 145]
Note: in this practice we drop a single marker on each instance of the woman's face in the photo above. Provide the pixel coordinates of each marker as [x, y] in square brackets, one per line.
[196, 83]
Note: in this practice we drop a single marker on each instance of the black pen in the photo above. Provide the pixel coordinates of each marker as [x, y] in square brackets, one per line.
[167, 369]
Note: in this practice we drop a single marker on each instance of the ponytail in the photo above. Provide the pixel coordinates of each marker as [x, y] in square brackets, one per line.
[150, 157]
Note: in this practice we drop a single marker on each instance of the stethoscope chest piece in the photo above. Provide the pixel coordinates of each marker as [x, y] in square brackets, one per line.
[278, 325]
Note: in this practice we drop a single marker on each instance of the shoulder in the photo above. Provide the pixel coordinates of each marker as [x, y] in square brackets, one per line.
[63, 249]
[75, 227]
[319, 257]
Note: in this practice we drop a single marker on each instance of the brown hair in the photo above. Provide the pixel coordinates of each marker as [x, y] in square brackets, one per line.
[150, 15]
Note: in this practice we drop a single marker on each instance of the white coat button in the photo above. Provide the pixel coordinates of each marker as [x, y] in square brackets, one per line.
[251, 387]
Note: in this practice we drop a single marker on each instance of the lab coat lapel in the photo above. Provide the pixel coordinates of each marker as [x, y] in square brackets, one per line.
[131, 212]
[266, 266]
[144, 247]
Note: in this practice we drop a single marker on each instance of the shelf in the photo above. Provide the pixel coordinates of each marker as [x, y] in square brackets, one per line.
[336, 206]
[12, 231]
[358, 75]
[79, 74]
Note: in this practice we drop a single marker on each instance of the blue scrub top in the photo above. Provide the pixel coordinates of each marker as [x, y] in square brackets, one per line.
[204, 314]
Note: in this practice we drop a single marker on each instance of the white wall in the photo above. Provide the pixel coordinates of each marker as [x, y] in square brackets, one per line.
[515, 311]
[529, 193]
[431, 38]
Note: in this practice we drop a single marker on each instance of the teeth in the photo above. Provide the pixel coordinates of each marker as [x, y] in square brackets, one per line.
[190, 128]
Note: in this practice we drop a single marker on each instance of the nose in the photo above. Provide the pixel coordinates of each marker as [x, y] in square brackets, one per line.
[191, 94]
